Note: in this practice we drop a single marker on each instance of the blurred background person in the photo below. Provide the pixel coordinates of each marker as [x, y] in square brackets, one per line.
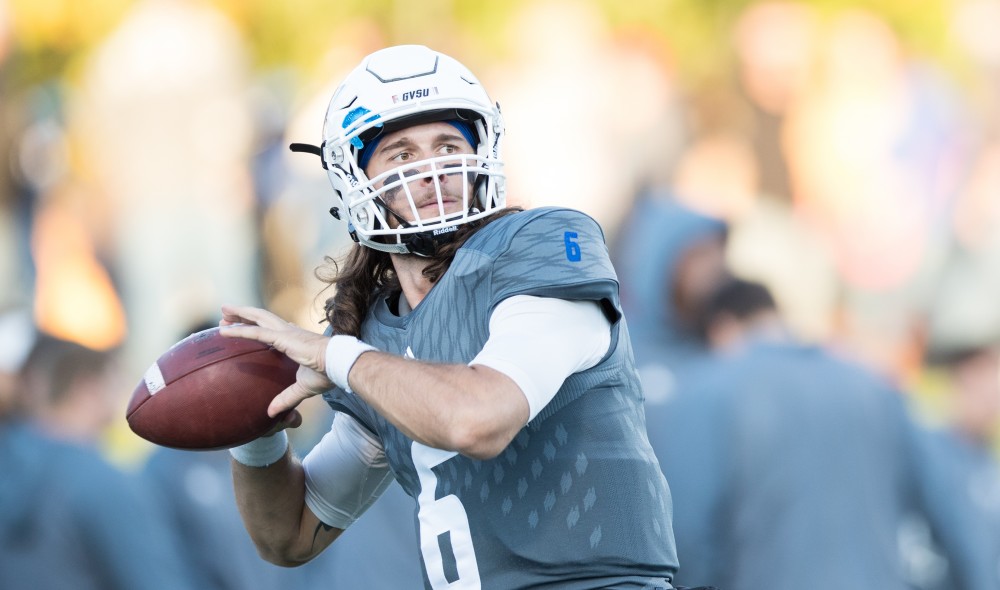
[790, 468]
[669, 259]
[961, 473]
[167, 91]
[69, 519]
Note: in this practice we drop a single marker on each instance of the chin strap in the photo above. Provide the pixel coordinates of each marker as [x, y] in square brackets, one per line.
[426, 243]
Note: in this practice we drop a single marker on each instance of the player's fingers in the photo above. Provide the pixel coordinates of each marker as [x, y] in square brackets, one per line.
[292, 419]
[250, 332]
[245, 314]
[305, 348]
[289, 398]
[230, 316]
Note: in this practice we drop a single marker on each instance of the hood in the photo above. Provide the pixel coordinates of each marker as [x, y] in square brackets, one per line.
[650, 243]
[23, 465]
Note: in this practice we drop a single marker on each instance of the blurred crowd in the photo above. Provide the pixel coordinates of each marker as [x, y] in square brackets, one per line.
[807, 240]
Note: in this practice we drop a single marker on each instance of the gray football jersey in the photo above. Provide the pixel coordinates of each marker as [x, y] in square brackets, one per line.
[577, 500]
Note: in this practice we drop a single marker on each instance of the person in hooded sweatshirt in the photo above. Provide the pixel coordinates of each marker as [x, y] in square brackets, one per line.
[670, 259]
[68, 518]
[790, 468]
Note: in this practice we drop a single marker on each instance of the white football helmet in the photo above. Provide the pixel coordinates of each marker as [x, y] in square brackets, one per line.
[396, 88]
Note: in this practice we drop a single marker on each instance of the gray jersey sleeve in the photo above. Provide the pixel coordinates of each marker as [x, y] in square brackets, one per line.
[556, 253]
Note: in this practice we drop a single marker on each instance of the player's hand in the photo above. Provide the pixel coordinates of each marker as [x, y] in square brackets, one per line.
[306, 348]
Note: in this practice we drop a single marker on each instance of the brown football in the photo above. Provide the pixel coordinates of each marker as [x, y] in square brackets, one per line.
[209, 392]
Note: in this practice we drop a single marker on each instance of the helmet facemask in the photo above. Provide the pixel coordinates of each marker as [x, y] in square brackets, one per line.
[421, 203]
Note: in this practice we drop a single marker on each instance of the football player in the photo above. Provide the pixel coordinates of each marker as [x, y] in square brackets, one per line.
[476, 355]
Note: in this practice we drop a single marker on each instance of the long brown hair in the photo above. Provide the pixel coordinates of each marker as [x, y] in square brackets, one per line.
[366, 274]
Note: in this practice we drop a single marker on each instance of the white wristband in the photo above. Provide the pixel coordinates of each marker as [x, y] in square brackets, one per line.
[341, 354]
[263, 451]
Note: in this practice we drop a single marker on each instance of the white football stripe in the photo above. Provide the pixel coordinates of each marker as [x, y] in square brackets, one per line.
[154, 379]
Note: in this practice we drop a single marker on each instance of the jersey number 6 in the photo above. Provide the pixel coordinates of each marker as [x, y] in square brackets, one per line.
[573, 253]
[444, 527]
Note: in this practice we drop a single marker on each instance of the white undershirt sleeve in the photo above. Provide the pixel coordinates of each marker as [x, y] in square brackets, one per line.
[345, 473]
[540, 341]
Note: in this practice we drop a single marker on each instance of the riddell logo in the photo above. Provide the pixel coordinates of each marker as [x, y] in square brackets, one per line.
[414, 94]
[444, 230]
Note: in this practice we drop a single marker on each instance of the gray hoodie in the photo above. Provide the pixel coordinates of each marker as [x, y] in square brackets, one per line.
[70, 520]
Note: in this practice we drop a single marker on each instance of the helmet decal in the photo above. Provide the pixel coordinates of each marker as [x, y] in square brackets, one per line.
[415, 94]
[352, 116]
